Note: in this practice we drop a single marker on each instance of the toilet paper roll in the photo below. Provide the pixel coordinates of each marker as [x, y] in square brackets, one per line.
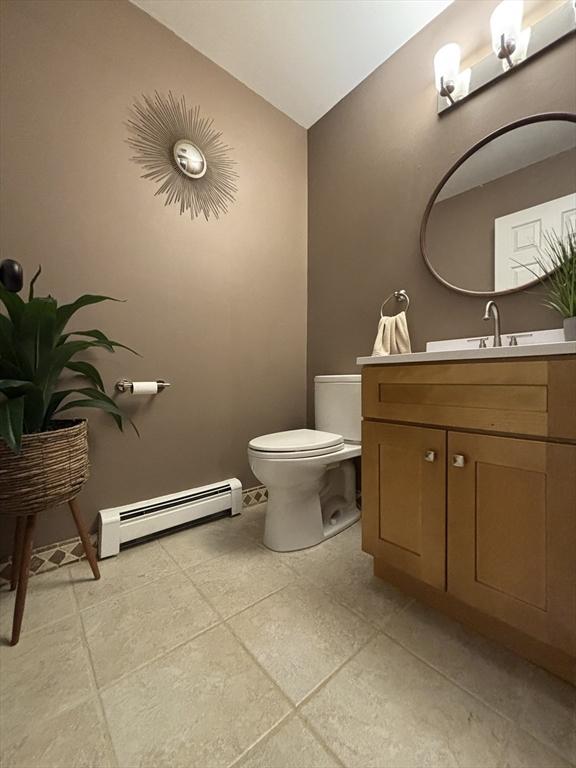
[145, 388]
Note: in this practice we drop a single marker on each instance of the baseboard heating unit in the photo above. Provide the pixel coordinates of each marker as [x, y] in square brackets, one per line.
[119, 526]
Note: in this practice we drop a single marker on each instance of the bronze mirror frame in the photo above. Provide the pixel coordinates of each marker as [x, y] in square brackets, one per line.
[531, 119]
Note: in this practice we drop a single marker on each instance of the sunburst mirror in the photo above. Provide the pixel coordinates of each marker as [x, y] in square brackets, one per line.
[184, 154]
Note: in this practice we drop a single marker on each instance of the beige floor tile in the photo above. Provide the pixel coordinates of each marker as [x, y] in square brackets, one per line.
[45, 675]
[135, 627]
[311, 561]
[200, 706]
[387, 709]
[130, 569]
[525, 752]
[205, 542]
[549, 712]
[239, 579]
[290, 746]
[50, 597]
[341, 568]
[253, 520]
[300, 636]
[73, 739]
[488, 670]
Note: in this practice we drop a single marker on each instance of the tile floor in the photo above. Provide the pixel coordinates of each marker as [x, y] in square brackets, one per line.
[205, 650]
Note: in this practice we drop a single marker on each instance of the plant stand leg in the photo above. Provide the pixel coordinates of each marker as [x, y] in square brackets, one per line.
[25, 556]
[83, 533]
[17, 551]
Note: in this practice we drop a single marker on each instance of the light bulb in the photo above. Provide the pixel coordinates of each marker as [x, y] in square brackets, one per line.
[447, 65]
[506, 26]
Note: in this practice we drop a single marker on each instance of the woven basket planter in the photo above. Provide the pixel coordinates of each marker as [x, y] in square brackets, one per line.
[50, 469]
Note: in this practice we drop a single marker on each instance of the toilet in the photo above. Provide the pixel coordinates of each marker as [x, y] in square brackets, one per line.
[310, 473]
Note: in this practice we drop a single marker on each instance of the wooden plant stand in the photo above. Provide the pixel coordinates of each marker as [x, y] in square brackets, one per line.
[22, 554]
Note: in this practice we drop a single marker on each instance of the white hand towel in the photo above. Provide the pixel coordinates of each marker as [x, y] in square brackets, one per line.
[392, 337]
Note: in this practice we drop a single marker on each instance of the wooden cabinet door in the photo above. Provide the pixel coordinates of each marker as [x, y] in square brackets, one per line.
[512, 532]
[404, 498]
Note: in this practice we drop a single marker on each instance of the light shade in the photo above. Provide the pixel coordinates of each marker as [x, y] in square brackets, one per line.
[447, 64]
[462, 85]
[506, 20]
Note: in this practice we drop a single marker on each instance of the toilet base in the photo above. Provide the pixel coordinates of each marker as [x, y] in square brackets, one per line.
[303, 516]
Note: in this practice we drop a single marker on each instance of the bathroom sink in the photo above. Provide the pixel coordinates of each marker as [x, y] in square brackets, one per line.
[528, 344]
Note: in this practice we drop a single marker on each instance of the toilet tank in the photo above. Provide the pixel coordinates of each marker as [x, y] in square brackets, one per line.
[337, 405]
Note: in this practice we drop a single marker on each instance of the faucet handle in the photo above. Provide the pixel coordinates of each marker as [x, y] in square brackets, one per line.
[513, 341]
[482, 344]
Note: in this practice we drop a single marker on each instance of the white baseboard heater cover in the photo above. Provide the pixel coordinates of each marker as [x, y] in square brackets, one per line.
[119, 525]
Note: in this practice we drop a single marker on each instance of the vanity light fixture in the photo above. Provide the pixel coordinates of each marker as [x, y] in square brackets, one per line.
[450, 82]
[512, 48]
[509, 40]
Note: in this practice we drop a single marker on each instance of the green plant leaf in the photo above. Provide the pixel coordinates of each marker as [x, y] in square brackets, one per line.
[34, 409]
[7, 351]
[557, 262]
[53, 402]
[36, 335]
[115, 411]
[104, 405]
[11, 422]
[8, 384]
[13, 303]
[88, 371]
[31, 289]
[60, 357]
[66, 311]
[10, 371]
[99, 336]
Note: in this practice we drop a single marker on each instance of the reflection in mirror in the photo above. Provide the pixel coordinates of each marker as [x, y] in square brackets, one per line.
[189, 158]
[489, 220]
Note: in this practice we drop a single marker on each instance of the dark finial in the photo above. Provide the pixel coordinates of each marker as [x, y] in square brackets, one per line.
[11, 275]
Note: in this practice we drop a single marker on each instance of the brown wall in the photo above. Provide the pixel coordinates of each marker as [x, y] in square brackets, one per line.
[217, 308]
[374, 160]
[460, 231]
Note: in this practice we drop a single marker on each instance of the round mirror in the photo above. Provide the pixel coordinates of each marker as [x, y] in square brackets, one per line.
[189, 159]
[484, 228]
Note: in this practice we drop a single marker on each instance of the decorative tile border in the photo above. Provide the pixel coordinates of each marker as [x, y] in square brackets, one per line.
[52, 556]
[49, 557]
[252, 496]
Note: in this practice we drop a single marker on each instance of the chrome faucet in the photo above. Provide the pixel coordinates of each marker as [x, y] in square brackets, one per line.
[492, 309]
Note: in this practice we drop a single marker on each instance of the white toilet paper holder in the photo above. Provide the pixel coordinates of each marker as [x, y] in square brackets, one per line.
[125, 385]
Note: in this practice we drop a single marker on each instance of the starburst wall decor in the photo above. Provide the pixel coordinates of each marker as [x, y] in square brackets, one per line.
[183, 153]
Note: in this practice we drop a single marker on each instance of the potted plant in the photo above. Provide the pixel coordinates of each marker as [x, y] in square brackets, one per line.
[36, 349]
[557, 270]
[44, 460]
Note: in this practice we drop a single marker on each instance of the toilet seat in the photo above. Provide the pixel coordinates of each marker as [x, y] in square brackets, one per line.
[296, 444]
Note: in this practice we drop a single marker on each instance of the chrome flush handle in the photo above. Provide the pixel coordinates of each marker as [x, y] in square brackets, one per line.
[430, 456]
[458, 460]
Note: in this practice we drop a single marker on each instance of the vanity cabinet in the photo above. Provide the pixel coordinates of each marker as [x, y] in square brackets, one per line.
[469, 495]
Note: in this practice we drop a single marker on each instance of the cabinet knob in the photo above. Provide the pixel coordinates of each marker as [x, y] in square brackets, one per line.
[458, 460]
[430, 456]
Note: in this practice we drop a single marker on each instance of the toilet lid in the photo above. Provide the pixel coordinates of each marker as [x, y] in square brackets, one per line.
[297, 440]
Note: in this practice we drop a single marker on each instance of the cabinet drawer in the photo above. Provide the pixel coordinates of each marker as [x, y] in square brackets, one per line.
[524, 397]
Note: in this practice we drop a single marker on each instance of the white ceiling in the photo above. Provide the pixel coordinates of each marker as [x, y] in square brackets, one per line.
[302, 56]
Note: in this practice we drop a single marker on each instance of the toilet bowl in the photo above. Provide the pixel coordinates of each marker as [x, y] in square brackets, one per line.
[310, 474]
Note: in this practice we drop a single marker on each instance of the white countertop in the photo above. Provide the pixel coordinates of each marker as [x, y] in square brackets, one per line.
[490, 353]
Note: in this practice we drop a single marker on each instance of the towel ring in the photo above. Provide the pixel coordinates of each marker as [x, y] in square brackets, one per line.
[401, 296]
